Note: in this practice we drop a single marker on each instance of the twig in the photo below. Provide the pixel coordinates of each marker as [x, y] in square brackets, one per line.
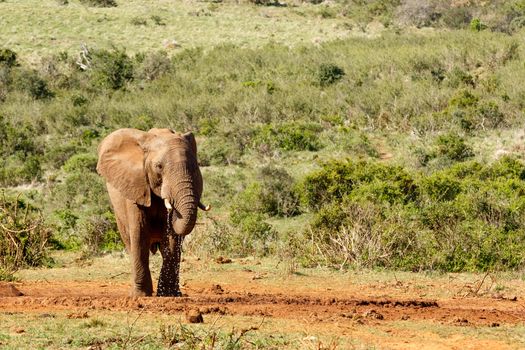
[130, 329]
[119, 274]
[481, 283]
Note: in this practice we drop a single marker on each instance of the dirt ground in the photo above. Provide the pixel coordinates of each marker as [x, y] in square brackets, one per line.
[391, 313]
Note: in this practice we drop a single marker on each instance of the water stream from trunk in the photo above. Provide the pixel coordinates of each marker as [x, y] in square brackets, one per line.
[179, 239]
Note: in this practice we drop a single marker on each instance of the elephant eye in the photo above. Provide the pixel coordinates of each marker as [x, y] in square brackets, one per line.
[158, 166]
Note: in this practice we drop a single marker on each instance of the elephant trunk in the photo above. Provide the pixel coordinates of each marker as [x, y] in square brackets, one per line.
[183, 197]
[185, 219]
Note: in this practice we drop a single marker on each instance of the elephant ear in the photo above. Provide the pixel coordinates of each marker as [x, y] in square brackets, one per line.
[121, 163]
[190, 138]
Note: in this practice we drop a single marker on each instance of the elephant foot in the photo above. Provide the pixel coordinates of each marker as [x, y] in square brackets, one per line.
[139, 293]
[176, 293]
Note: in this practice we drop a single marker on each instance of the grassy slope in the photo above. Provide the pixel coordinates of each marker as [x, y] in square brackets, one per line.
[35, 28]
[390, 106]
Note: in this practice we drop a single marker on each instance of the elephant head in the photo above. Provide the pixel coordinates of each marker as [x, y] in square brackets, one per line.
[158, 163]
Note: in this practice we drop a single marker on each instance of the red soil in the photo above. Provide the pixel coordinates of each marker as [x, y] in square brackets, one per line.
[265, 301]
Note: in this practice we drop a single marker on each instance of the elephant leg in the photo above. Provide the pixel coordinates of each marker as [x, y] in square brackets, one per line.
[170, 248]
[139, 254]
[132, 223]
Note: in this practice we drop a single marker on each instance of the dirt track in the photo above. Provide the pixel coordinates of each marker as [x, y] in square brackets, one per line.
[268, 302]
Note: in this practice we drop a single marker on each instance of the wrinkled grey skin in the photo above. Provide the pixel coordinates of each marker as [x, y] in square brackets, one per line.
[145, 173]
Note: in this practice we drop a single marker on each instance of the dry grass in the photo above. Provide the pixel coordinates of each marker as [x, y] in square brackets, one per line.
[37, 28]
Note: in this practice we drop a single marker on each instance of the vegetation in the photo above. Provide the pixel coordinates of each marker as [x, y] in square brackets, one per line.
[381, 148]
[23, 236]
[465, 217]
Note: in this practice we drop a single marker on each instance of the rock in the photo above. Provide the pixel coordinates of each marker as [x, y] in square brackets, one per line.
[373, 314]
[216, 289]
[194, 316]
[223, 260]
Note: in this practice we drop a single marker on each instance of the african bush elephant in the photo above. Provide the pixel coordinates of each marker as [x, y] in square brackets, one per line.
[155, 186]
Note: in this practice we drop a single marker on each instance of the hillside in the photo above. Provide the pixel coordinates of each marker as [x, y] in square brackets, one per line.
[308, 118]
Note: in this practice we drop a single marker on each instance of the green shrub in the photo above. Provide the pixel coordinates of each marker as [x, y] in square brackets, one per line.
[153, 66]
[467, 217]
[219, 150]
[99, 233]
[271, 195]
[329, 73]
[477, 26]
[8, 58]
[99, 3]
[370, 181]
[111, 69]
[440, 187]
[139, 21]
[287, 137]
[464, 99]
[255, 237]
[489, 115]
[32, 83]
[81, 162]
[15, 170]
[158, 20]
[81, 213]
[458, 77]
[21, 155]
[453, 147]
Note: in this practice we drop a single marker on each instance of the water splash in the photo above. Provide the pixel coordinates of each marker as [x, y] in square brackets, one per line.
[178, 240]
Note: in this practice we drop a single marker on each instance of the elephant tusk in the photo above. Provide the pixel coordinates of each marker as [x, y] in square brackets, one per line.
[167, 204]
[204, 207]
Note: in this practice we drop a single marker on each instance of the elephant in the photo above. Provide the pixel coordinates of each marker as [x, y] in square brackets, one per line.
[155, 186]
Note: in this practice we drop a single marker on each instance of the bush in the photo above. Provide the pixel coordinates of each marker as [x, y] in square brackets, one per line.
[153, 66]
[99, 3]
[81, 162]
[338, 180]
[467, 217]
[23, 235]
[219, 150]
[453, 147]
[110, 69]
[30, 82]
[329, 74]
[20, 160]
[139, 21]
[81, 214]
[271, 195]
[441, 187]
[99, 234]
[477, 26]
[8, 58]
[287, 137]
